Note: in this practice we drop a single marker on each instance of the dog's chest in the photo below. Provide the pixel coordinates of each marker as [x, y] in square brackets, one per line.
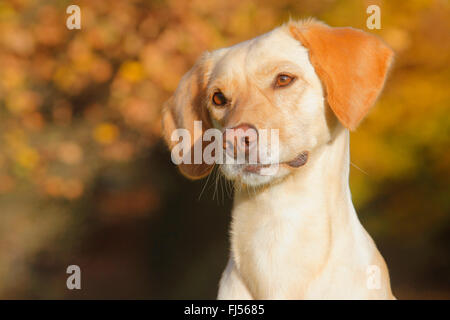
[278, 250]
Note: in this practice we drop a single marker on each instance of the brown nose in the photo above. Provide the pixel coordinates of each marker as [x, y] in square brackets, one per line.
[241, 139]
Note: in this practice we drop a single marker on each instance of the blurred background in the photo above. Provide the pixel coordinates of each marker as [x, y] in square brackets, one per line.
[85, 178]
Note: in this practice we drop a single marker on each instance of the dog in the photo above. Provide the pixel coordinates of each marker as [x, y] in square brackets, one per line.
[294, 234]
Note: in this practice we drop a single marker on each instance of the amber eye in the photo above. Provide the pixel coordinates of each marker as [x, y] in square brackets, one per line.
[283, 80]
[219, 99]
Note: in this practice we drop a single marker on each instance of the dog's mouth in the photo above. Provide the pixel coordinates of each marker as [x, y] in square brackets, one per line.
[297, 162]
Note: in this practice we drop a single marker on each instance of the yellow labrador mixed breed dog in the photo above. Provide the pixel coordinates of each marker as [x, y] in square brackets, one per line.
[295, 234]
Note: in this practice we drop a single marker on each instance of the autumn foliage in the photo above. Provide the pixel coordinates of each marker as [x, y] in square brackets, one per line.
[81, 152]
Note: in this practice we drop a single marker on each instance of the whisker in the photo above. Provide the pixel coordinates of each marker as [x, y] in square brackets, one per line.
[229, 188]
[222, 188]
[355, 166]
[215, 185]
[204, 186]
[216, 190]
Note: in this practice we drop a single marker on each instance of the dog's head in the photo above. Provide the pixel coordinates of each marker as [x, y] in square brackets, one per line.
[303, 79]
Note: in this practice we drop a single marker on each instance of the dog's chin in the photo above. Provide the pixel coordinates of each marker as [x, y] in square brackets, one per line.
[253, 175]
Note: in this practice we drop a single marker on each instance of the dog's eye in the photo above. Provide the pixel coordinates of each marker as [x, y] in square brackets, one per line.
[219, 99]
[283, 80]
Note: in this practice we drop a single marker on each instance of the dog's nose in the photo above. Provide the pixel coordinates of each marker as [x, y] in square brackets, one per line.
[241, 139]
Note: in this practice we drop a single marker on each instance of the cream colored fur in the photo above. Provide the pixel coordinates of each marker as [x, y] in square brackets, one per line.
[294, 235]
[301, 239]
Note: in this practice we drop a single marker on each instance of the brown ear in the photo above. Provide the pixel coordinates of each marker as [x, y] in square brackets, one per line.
[185, 107]
[352, 65]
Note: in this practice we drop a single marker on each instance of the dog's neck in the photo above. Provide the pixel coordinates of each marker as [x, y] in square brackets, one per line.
[296, 221]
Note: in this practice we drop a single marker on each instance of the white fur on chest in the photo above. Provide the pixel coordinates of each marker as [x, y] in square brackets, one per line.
[272, 239]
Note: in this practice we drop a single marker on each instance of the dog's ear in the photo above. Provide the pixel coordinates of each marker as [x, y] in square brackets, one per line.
[351, 64]
[184, 108]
